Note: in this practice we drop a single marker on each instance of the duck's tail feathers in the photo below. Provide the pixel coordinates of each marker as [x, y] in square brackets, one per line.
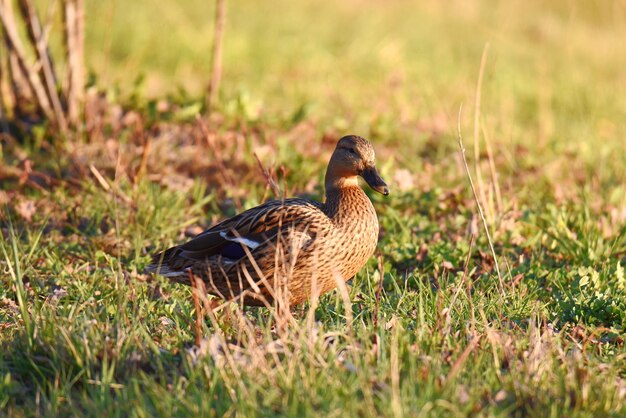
[162, 264]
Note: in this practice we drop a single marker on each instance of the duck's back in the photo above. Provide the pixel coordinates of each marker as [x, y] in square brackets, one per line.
[275, 244]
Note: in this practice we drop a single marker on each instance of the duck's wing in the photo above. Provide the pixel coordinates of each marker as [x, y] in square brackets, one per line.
[243, 234]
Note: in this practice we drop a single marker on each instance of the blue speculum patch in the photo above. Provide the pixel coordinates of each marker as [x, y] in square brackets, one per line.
[233, 251]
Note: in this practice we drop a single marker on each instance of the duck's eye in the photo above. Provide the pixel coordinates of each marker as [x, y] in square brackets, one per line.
[351, 151]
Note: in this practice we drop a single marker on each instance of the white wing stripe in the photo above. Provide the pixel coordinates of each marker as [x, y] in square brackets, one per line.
[241, 240]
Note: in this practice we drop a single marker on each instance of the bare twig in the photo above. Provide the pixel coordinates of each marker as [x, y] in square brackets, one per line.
[74, 20]
[108, 188]
[19, 89]
[4, 124]
[477, 104]
[17, 49]
[216, 56]
[103, 183]
[39, 44]
[477, 199]
[37, 81]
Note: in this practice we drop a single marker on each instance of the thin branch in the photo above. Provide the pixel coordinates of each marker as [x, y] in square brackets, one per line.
[16, 47]
[16, 80]
[4, 124]
[216, 56]
[477, 105]
[74, 20]
[477, 199]
[38, 41]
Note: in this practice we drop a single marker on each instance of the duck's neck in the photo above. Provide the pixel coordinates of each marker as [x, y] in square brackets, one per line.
[345, 201]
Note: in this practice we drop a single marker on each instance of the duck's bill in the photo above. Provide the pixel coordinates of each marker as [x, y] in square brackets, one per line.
[373, 179]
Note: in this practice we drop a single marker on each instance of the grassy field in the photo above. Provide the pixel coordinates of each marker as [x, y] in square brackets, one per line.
[427, 330]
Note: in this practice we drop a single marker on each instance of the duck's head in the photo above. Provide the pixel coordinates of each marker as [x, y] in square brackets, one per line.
[354, 156]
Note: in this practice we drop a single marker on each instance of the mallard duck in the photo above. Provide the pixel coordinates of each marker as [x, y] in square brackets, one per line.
[291, 248]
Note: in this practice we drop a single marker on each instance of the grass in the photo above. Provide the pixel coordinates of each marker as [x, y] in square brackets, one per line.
[427, 331]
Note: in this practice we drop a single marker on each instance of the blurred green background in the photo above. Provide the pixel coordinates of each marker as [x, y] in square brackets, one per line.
[396, 71]
[416, 57]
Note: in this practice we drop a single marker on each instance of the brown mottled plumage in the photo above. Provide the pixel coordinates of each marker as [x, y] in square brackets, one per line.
[288, 249]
